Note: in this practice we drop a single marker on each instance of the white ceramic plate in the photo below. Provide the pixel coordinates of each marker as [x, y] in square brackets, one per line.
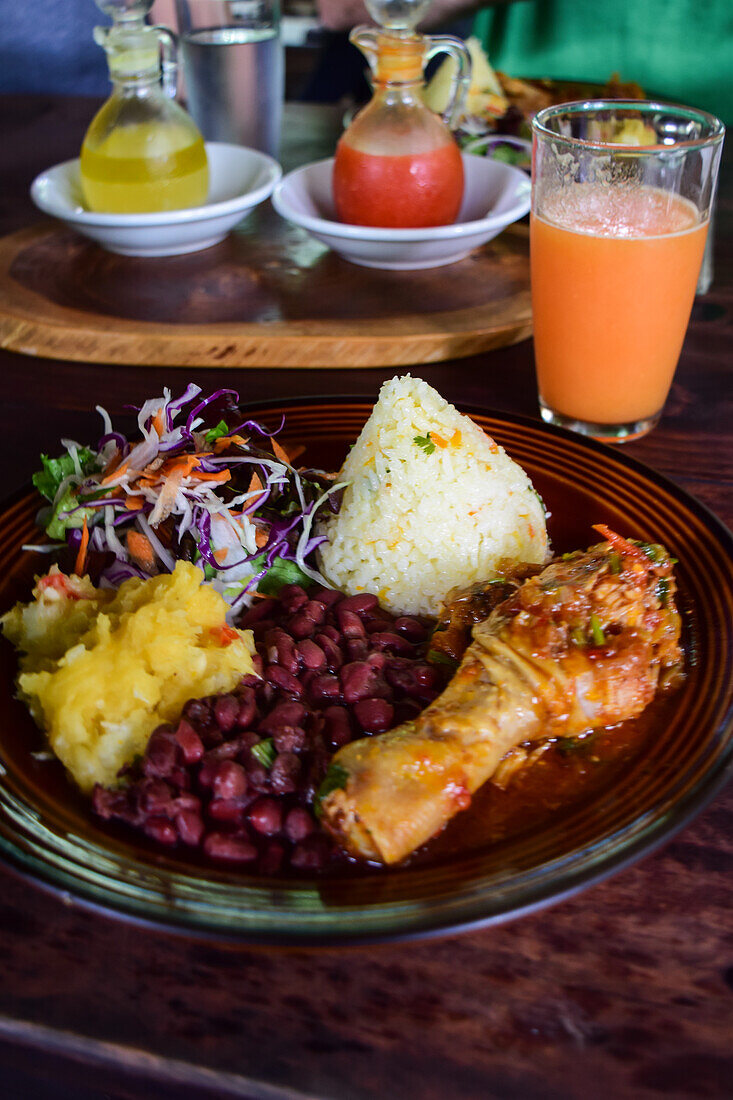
[496, 194]
[239, 179]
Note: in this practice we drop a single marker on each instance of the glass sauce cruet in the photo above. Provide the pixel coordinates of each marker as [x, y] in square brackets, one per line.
[398, 165]
[142, 153]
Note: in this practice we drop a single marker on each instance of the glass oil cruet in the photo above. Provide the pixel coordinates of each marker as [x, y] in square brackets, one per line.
[398, 165]
[142, 153]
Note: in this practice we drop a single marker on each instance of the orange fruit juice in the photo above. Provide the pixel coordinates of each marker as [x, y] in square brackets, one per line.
[614, 272]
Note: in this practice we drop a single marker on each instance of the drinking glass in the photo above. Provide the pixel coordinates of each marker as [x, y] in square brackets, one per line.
[621, 198]
[233, 66]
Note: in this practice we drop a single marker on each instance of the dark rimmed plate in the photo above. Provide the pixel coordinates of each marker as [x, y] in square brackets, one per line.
[47, 832]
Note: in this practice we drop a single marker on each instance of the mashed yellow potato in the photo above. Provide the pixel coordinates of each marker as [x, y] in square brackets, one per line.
[102, 669]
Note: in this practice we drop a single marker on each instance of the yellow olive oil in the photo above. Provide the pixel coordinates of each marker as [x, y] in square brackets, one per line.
[143, 167]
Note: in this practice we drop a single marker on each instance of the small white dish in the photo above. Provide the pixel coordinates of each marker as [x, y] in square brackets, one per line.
[239, 179]
[495, 195]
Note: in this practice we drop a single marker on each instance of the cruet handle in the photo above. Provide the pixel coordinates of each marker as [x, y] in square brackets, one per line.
[365, 39]
[446, 43]
[168, 60]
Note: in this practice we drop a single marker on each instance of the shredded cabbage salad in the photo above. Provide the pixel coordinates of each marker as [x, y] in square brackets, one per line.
[227, 498]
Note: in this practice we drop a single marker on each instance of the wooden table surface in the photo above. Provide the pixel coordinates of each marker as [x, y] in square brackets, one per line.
[624, 991]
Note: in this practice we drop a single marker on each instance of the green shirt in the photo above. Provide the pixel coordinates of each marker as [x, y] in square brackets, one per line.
[681, 50]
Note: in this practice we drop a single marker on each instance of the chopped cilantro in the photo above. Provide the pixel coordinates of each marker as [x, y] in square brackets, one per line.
[652, 550]
[425, 443]
[221, 429]
[335, 779]
[662, 591]
[597, 630]
[437, 658]
[614, 563]
[265, 752]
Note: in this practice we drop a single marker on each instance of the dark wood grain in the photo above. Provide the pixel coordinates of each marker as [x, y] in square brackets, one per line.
[623, 991]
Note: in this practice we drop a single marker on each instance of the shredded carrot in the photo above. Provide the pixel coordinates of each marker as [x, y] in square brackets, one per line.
[221, 555]
[455, 439]
[279, 452]
[134, 503]
[622, 546]
[223, 475]
[141, 551]
[159, 423]
[114, 468]
[255, 486]
[225, 441]
[261, 537]
[437, 440]
[81, 557]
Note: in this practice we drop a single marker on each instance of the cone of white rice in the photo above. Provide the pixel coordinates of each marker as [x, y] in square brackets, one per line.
[432, 503]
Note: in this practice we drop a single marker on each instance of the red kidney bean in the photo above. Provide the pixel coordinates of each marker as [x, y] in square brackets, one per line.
[301, 625]
[350, 623]
[198, 712]
[190, 826]
[250, 680]
[284, 680]
[258, 664]
[374, 715]
[231, 848]
[247, 709]
[391, 642]
[162, 754]
[357, 679]
[334, 656]
[189, 741]
[288, 713]
[265, 815]
[281, 650]
[226, 710]
[284, 773]
[425, 675]
[316, 610]
[323, 688]
[155, 797]
[310, 654]
[230, 781]
[377, 659]
[261, 609]
[272, 858]
[289, 739]
[413, 630]
[330, 632]
[261, 629]
[360, 604]
[337, 726]
[160, 830]
[258, 776]
[311, 854]
[226, 810]
[357, 648]
[326, 596]
[110, 803]
[299, 824]
[292, 597]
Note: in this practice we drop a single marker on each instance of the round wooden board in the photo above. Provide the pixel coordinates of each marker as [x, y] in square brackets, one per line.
[267, 296]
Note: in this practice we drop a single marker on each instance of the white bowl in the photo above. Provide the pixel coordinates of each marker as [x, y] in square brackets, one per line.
[239, 179]
[496, 195]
